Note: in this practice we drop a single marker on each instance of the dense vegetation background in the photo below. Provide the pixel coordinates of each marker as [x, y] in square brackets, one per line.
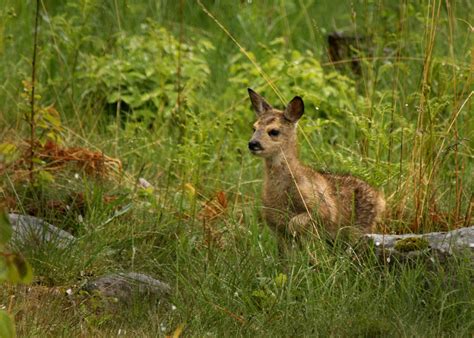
[125, 90]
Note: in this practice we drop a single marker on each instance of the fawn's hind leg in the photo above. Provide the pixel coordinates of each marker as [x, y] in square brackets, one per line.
[369, 207]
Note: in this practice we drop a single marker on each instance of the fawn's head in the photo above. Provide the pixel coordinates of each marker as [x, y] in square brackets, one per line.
[274, 130]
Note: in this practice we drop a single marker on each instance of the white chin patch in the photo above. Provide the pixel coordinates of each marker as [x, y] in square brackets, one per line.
[257, 152]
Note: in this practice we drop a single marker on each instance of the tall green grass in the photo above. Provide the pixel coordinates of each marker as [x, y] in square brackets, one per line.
[404, 124]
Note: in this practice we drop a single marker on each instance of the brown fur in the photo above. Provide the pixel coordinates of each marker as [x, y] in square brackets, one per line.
[296, 197]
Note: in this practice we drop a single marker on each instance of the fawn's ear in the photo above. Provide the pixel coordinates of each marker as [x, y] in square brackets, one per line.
[294, 110]
[258, 103]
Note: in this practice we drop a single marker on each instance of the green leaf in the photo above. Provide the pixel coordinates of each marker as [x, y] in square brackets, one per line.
[37, 160]
[8, 152]
[18, 269]
[45, 176]
[7, 329]
[5, 227]
[281, 280]
[119, 212]
[7, 148]
[53, 120]
[24, 269]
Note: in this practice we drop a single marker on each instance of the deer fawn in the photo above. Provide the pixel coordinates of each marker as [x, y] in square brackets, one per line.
[296, 198]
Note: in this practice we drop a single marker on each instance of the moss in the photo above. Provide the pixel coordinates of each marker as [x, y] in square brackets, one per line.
[411, 244]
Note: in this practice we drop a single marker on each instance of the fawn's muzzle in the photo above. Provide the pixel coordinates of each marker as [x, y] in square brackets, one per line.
[255, 146]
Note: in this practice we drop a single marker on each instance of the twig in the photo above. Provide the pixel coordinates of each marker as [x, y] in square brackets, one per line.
[33, 78]
[467, 217]
[179, 98]
[238, 318]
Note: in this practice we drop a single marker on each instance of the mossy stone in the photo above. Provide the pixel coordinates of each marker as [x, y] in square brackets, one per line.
[411, 244]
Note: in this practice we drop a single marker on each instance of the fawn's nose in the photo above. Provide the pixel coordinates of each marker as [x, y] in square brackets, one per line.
[255, 145]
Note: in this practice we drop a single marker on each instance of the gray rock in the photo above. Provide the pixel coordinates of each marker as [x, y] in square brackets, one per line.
[33, 230]
[440, 245]
[126, 285]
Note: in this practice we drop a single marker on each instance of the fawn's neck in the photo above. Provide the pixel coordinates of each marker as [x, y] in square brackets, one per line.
[281, 167]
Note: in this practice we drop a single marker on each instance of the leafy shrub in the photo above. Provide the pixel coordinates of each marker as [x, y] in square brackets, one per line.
[332, 102]
[326, 94]
[142, 72]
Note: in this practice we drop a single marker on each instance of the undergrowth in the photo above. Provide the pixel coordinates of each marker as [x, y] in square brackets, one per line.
[136, 144]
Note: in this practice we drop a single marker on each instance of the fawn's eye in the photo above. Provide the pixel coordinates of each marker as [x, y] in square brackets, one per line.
[274, 132]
